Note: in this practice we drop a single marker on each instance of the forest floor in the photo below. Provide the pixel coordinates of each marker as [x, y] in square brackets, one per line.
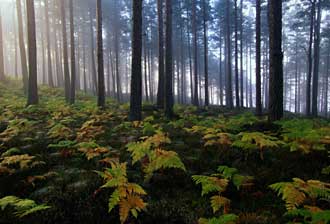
[78, 164]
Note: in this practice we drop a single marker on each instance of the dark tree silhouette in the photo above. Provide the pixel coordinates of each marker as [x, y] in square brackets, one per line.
[32, 49]
[100, 66]
[136, 78]
[276, 61]
[168, 61]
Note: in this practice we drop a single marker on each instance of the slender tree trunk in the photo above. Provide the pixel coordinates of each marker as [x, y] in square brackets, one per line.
[236, 57]
[84, 69]
[91, 30]
[49, 57]
[229, 92]
[276, 61]
[100, 66]
[194, 28]
[220, 71]
[65, 55]
[258, 59]
[168, 61]
[160, 93]
[327, 83]
[73, 56]
[136, 77]
[206, 69]
[190, 62]
[317, 41]
[145, 67]
[33, 85]
[310, 61]
[22, 46]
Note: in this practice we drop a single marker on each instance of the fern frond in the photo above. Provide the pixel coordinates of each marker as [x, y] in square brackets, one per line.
[224, 219]
[22, 207]
[218, 202]
[210, 184]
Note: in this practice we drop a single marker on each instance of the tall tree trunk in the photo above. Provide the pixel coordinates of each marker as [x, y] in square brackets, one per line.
[31, 25]
[49, 57]
[65, 54]
[258, 59]
[276, 61]
[206, 69]
[310, 61]
[168, 61]
[73, 57]
[241, 56]
[136, 77]
[160, 93]
[2, 64]
[317, 41]
[25, 74]
[100, 66]
[220, 69]
[194, 28]
[229, 93]
[236, 57]
[91, 30]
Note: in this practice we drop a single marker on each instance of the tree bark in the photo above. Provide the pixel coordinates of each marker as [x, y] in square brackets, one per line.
[73, 57]
[65, 54]
[49, 56]
[168, 61]
[317, 41]
[136, 77]
[2, 65]
[276, 61]
[32, 49]
[258, 59]
[194, 30]
[229, 92]
[206, 69]
[100, 65]
[22, 46]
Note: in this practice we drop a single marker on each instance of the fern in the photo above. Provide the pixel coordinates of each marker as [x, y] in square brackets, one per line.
[210, 184]
[128, 196]
[224, 219]
[296, 193]
[304, 136]
[92, 150]
[157, 158]
[60, 132]
[161, 159]
[218, 202]
[256, 141]
[23, 162]
[233, 175]
[22, 207]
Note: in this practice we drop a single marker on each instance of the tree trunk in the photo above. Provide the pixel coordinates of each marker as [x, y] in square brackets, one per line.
[241, 56]
[229, 92]
[276, 61]
[73, 57]
[49, 57]
[65, 55]
[236, 57]
[160, 93]
[100, 66]
[31, 27]
[22, 46]
[206, 69]
[136, 77]
[317, 41]
[310, 61]
[194, 28]
[258, 59]
[91, 30]
[168, 61]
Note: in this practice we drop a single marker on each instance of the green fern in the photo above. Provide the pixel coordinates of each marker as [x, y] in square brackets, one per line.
[296, 193]
[125, 195]
[157, 158]
[252, 141]
[210, 184]
[224, 219]
[22, 207]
